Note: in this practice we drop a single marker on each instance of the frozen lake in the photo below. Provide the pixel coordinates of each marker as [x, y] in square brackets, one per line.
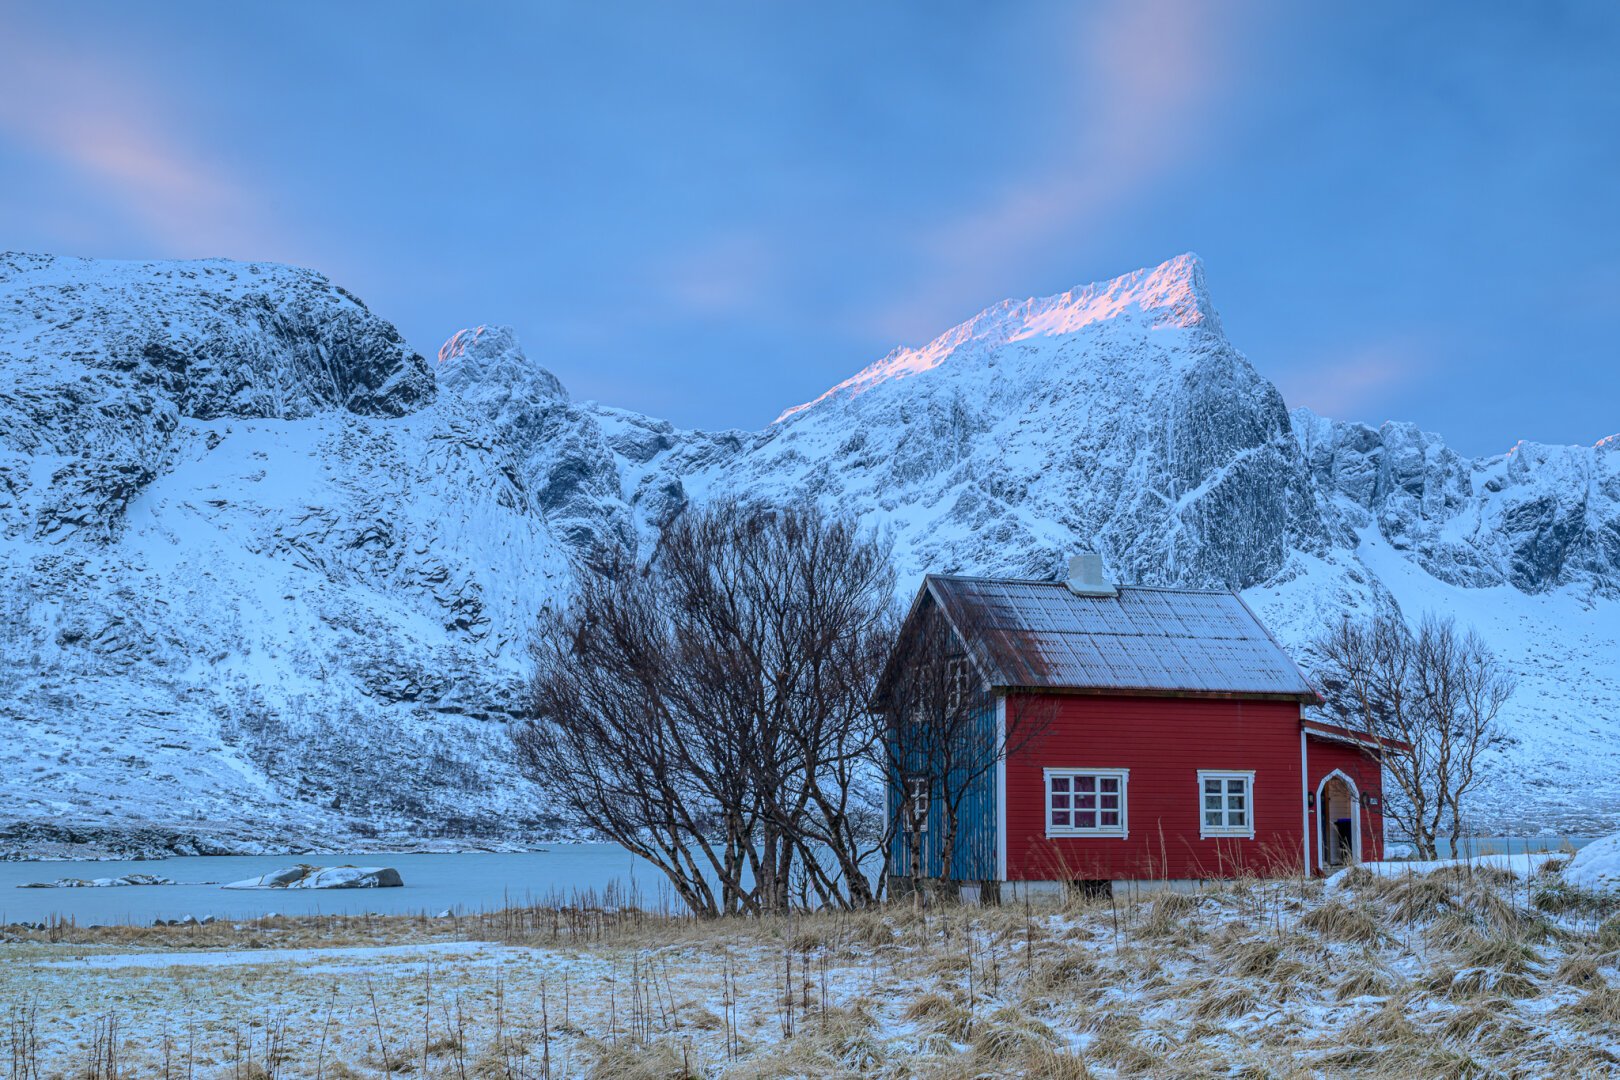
[433, 882]
[473, 881]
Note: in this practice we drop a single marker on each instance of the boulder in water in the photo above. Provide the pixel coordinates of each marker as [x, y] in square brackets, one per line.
[97, 883]
[324, 877]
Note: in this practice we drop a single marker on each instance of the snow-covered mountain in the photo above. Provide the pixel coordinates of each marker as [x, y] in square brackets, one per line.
[274, 571]
[266, 582]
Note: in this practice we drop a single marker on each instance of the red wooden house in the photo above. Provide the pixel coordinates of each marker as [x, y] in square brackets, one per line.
[1135, 734]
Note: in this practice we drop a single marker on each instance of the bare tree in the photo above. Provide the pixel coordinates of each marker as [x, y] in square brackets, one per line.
[710, 712]
[943, 738]
[1438, 690]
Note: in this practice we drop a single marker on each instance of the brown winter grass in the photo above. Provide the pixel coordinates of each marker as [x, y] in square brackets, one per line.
[1455, 973]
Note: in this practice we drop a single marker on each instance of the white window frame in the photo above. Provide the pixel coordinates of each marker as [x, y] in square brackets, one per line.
[1207, 831]
[911, 795]
[958, 683]
[1121, 830]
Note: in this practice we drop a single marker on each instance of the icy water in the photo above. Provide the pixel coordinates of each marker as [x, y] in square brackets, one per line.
[433, 882]
[475, 881]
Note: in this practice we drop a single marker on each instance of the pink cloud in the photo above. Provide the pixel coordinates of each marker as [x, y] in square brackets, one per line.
[106, 125]
[1147, 76]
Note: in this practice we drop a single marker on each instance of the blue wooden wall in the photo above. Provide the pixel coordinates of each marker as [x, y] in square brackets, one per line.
[974, 858]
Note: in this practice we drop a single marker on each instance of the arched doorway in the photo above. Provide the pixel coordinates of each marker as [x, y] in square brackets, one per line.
[1338, 818]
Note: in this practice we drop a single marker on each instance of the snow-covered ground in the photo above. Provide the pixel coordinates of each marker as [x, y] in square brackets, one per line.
[1467, 969]
[1596, 867]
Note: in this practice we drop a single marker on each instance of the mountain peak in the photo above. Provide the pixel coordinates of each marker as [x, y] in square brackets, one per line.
[1172, 295]
[486, 362]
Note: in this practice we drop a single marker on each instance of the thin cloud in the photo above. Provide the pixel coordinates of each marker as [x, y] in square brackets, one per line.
[1344, 385]
[732, 274]
[105, 125]
[1147, 77]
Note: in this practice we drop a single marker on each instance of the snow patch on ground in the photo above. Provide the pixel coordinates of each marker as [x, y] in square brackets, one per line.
[1596, 867]
[306, 958]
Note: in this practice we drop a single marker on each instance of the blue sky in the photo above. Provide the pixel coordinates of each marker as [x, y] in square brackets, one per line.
[710, 212]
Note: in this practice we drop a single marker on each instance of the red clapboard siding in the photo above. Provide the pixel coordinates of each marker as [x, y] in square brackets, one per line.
[1164, 742]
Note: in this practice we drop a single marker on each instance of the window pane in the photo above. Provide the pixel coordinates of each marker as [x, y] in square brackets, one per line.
[1110, 818]
[1238, 819]
[1110, 783]
[1060, 783]
[1060, 802]
[1085, 819]
[1085, 802]
[1060, 818]
[1212, 819]
[1085, 783]
[1212, 802]
[1108, 802]
[1235, 802]
[1235, 787]
[1212, 787]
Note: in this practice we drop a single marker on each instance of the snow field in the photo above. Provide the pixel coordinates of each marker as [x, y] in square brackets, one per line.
[1468, 968]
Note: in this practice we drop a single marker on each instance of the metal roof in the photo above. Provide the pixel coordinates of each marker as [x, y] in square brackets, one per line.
[1041, 634]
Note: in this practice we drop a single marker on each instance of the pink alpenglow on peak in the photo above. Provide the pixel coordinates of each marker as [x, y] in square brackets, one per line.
[1172, 295]
[458, 343]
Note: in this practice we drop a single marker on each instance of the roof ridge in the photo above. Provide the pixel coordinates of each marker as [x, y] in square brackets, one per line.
[1048, 581]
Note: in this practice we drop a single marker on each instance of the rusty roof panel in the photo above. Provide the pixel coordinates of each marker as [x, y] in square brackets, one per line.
[1037, 633]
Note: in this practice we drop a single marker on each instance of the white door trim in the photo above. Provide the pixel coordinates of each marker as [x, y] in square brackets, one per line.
[1001, 787]
[1355, 817]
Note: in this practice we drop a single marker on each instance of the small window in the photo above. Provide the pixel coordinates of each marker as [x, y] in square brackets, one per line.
[1226, 804]
[958, 684]
[1085, 802]
[915, 813]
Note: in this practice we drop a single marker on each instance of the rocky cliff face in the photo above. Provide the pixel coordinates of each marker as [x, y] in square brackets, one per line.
[273, 572]
[266, 584]
[1537, 518]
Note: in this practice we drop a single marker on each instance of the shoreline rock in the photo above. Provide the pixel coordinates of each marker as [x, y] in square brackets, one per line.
[323, 877]
[100, 882]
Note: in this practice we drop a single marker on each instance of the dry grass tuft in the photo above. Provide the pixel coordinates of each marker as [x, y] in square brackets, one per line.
[1579, 970]
[1337, 920]
[1364, 979]
[1597, 1010]
[1416, 897]
[1011, 1035]
[1480, 981]
[1390, 1025]
[1359, 877]
[638, 1061]
[1114, 1041]
[1608, 935]
[1220, 998]
[1507, 954]
[1065, 973]
[1456, 930]
[809, 938]
[1490, 1023]
[1255, 958]
[695, 1015]
[940, 1014]
[1054, 1065]
[1472, 874]
[1169, 915]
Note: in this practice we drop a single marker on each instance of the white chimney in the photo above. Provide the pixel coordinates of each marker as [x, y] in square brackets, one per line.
[1086, 576]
